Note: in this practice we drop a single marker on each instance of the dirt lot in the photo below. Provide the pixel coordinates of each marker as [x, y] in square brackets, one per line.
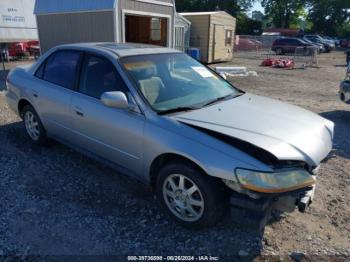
[55, 201]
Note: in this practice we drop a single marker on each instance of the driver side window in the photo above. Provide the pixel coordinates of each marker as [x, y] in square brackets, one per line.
[98, 76]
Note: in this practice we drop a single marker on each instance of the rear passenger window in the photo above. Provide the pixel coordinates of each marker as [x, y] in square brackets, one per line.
[99, 76]
[40, 72]
[61, 68]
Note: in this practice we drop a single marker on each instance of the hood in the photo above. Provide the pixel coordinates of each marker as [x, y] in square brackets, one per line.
[286, 131]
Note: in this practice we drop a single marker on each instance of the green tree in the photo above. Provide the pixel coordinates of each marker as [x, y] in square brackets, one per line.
[247, 26]
[329, 17]
[284, 13]
[233, 7]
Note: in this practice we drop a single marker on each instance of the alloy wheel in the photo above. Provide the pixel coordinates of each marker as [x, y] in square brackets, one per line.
[183, 198]
[32, 125]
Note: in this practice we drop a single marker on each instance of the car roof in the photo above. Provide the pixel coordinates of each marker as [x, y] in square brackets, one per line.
[123, 49]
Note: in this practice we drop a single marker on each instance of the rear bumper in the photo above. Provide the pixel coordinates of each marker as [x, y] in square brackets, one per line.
[12, 101]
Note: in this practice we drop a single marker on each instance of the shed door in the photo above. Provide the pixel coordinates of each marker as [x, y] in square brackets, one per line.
[219, 47]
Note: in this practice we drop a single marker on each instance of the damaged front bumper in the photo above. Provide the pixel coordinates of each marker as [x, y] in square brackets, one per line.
[256, 213]
[253, 209]
[285, 202]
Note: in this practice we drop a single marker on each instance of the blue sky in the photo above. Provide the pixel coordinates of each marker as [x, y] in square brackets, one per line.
[257, 7]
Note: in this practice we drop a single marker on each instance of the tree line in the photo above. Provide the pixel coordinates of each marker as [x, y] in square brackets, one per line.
[328, 17]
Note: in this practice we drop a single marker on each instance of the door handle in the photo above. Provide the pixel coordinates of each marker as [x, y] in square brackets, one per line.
[35, 94]
[78, 111]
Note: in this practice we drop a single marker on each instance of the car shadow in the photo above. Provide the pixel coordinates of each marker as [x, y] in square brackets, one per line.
[86, 207]
[341, 119]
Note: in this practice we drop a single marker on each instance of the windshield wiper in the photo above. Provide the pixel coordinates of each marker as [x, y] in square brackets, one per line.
[177, 109]
[220, 99]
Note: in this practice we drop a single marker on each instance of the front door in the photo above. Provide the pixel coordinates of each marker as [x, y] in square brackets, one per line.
[113, 134]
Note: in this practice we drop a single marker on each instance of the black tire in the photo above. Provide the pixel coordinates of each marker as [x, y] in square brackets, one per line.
[214, 201]
[41, 139]
[342, 97]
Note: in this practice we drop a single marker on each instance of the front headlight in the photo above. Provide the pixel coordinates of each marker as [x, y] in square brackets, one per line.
[277, 182]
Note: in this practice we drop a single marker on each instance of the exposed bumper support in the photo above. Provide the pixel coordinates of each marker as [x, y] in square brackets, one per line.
[255, 213]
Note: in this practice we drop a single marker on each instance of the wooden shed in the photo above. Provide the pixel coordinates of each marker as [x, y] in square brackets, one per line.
[137, 21]
[213, 33]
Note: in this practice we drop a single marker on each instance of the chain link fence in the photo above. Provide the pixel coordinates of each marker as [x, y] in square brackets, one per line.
[263, 47]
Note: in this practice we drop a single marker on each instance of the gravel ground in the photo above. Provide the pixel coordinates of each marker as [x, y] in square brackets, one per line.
[55, 201]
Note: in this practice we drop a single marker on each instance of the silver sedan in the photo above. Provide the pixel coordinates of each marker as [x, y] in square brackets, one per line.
[163, 118]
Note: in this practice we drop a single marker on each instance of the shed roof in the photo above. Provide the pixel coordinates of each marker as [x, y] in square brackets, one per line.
[180, 17]
[202, 13]
[43, 7]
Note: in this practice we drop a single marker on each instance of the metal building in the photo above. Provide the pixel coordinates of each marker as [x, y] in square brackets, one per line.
[213, 33]
[72, 21]
[17, 22]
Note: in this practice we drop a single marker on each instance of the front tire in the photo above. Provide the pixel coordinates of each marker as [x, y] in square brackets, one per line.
[189, 196]
[33, 126]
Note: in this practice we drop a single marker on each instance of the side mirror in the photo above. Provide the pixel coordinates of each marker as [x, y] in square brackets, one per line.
[115, 99]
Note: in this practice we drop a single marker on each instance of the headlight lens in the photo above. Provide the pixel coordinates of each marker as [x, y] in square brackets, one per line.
[277, 182]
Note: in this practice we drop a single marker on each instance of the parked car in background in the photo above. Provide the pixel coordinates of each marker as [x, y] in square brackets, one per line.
[330, 39]
[345, 43]
[18, 50]
[329, 45]
[335, 39]
[247, 44]
[289, 45]
[23, 49]
[160, 116]
[320, 46]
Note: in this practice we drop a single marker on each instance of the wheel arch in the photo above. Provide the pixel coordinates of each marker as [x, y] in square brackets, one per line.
[21, 104]
[165, 158]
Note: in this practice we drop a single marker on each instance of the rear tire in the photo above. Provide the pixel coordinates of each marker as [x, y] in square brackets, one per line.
[33, 126]
[189, 196]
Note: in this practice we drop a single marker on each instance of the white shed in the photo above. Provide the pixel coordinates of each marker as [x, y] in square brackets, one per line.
[138, 21]
[17, 21]
[182, 33]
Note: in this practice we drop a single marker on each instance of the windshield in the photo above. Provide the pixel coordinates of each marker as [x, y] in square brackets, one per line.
[175, 81]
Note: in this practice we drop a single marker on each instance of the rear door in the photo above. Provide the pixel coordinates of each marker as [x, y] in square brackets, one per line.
[110, 133]
[53, 91]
